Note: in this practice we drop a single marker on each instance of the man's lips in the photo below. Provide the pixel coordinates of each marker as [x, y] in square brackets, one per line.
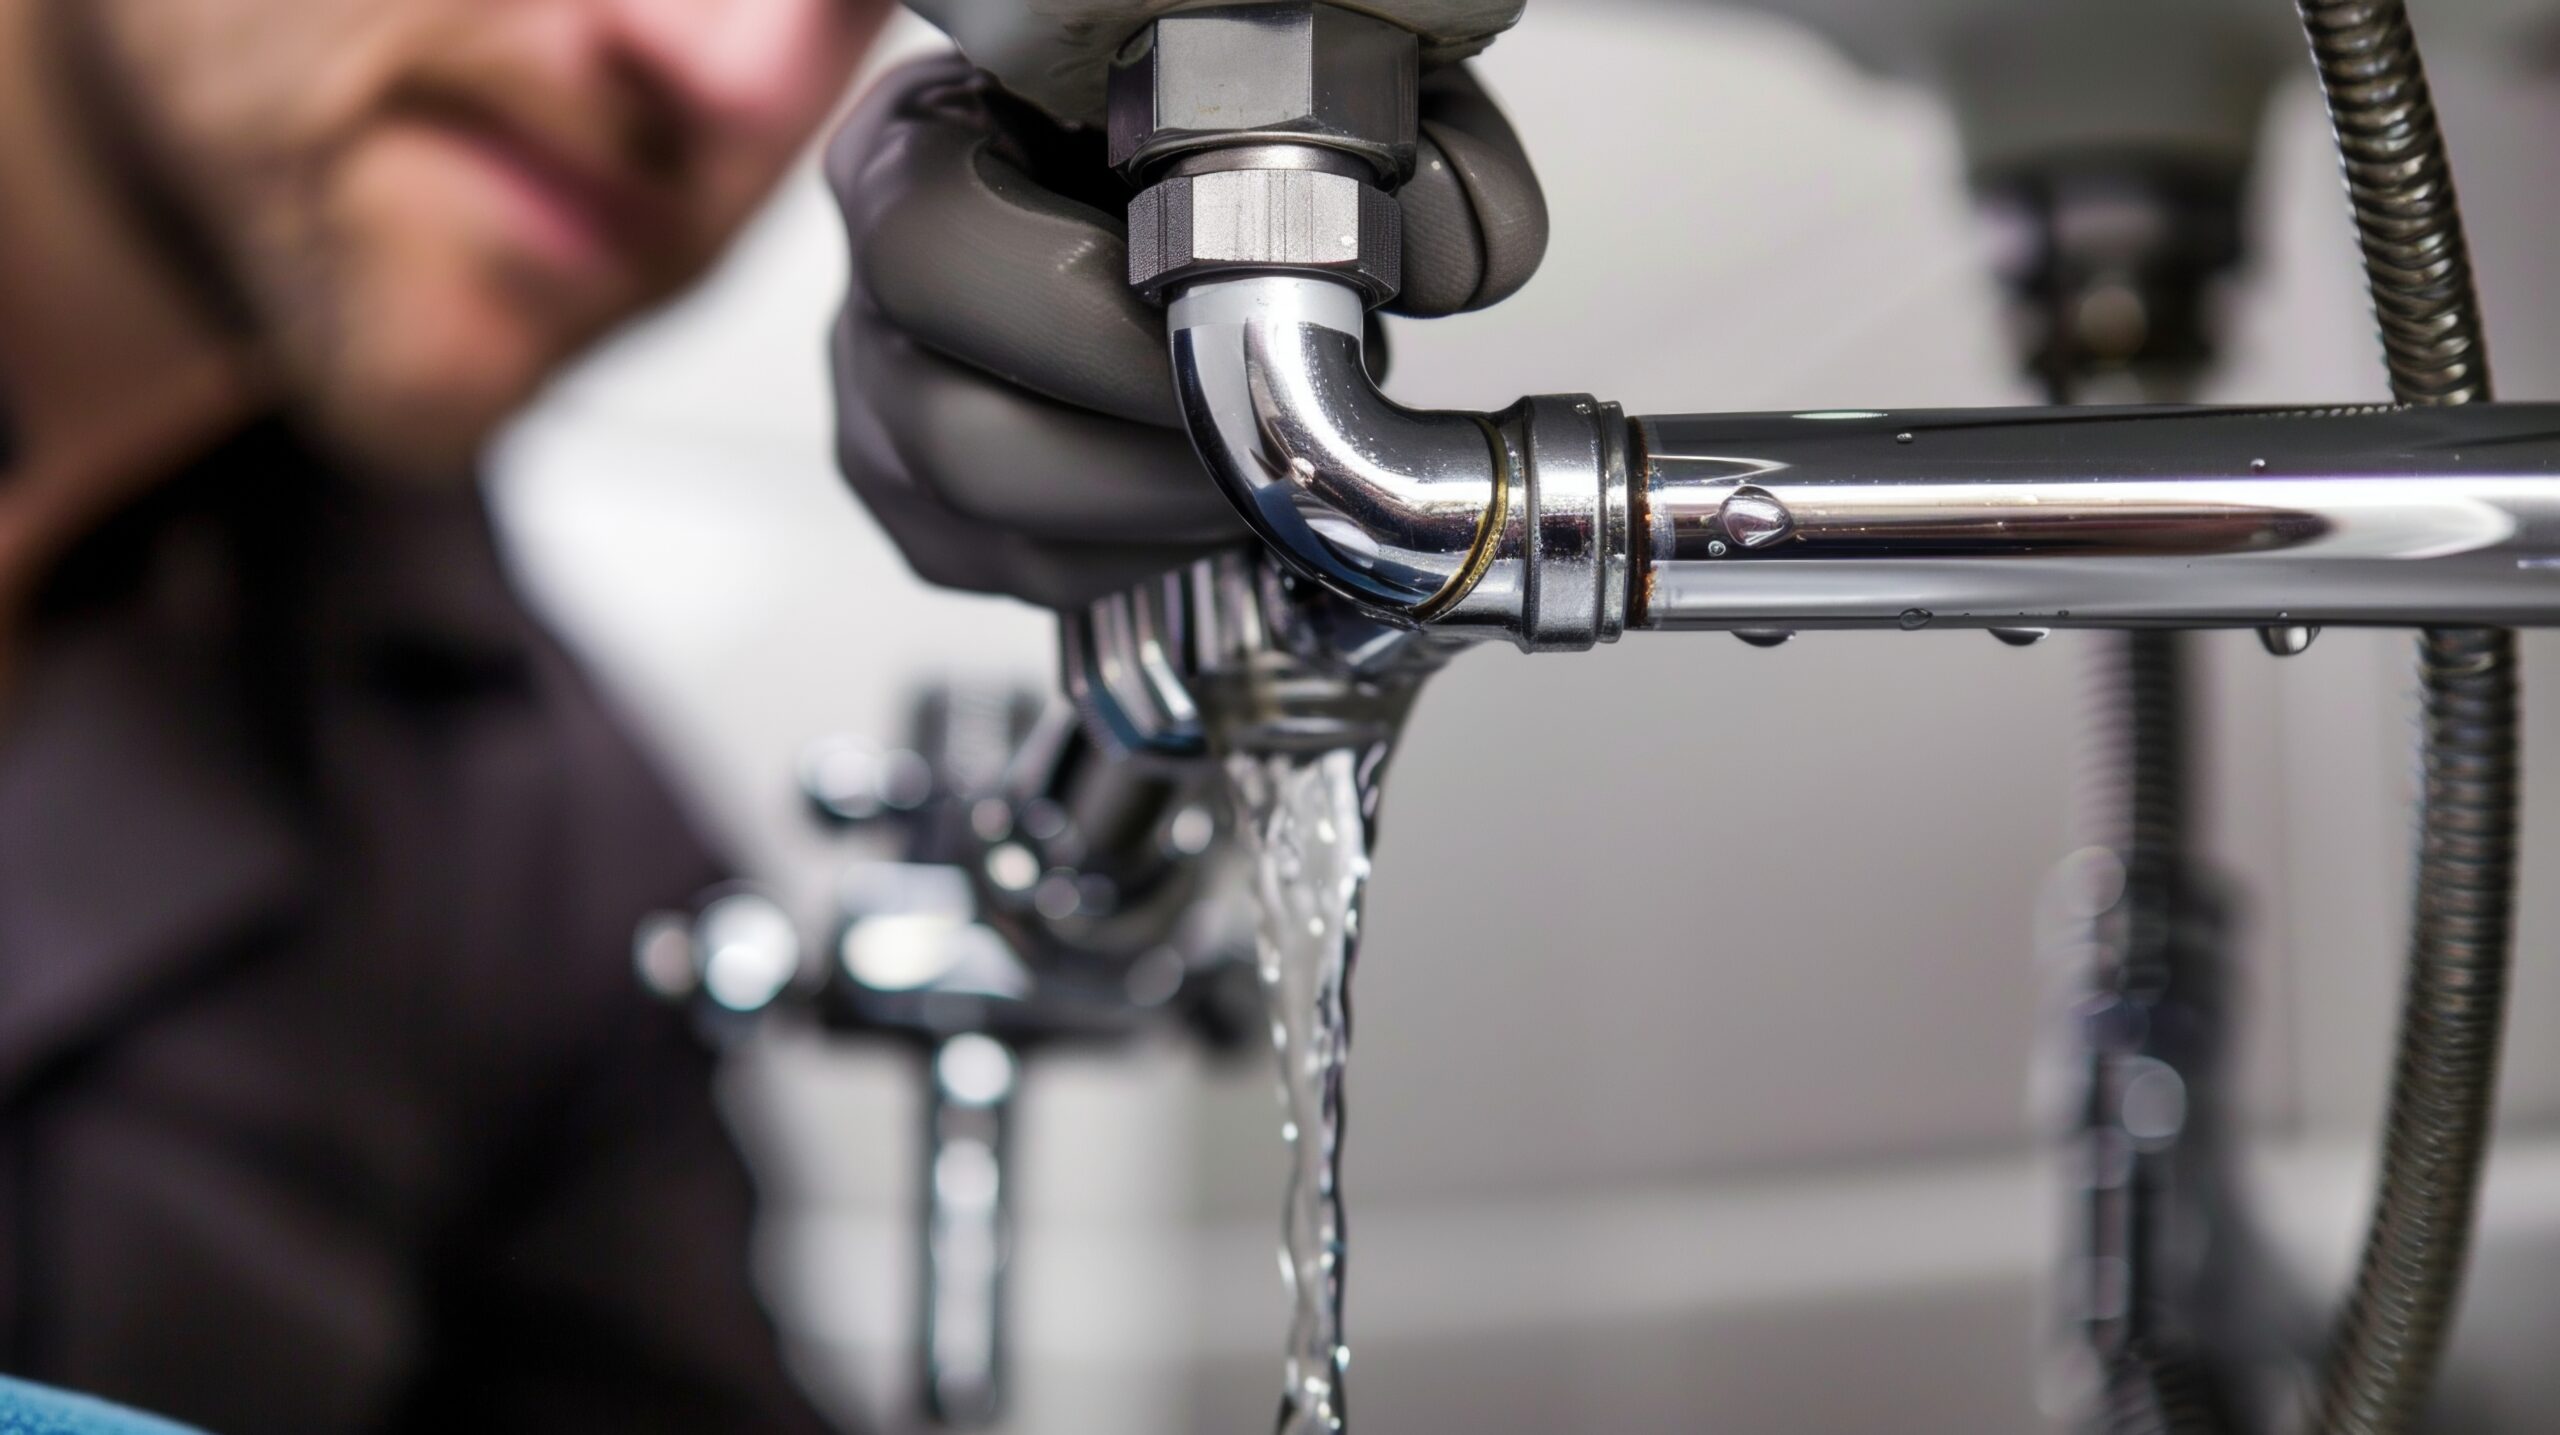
[576, 212]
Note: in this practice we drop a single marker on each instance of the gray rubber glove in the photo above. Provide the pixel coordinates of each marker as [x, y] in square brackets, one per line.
[1004, 403]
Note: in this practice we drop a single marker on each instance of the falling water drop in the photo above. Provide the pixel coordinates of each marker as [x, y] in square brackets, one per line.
[1764, 637]
[2021, 637]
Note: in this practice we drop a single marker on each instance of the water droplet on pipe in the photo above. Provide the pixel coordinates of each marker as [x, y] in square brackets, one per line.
[1755, 518]
[2288, 640]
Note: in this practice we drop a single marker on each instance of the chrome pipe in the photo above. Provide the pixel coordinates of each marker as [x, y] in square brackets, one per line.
[1559, 524]
[1380, 502]
[2187, 517]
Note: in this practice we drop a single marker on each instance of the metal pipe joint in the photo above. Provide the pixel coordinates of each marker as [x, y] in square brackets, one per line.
[1272, 133]
[1515, 523]
[1558, 523]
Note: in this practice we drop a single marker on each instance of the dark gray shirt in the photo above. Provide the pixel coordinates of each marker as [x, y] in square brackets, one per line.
[327, 1099]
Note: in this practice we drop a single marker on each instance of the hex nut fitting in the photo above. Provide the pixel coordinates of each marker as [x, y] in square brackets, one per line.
[1194, 226]
[1293, 72]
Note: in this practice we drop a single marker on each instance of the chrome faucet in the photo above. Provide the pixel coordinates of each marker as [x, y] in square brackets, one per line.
[1041, 896]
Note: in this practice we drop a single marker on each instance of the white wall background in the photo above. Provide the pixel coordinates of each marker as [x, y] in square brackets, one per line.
[1719, 1121]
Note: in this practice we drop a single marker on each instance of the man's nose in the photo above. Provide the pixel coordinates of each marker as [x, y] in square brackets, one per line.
[770, 67]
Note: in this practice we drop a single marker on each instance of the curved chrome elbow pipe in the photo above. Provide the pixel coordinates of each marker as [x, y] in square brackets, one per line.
[1384, 504]
[1516, 523]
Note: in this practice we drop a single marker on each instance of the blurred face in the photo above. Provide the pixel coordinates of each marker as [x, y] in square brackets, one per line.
[427, 205]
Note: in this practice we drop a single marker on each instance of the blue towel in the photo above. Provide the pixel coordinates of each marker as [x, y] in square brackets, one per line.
[34, 1410]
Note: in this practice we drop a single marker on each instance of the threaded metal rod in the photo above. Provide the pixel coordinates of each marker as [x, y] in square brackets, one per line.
[2392, 1329]
[2156, 1382]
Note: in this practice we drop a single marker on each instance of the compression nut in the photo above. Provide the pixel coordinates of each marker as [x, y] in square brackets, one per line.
[1198, 226]
[1290, 72]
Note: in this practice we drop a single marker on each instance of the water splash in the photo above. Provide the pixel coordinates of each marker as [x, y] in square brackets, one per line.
[1306, 818]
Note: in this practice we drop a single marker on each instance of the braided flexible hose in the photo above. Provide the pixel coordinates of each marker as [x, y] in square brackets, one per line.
[2401, 187]
[2392, 1329]
[2391, 1332]
[2147, 687]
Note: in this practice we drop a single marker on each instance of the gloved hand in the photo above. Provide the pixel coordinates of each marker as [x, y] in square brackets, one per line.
[1004, 403]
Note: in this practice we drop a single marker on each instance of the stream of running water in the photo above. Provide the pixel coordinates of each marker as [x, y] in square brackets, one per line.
[1306, 819]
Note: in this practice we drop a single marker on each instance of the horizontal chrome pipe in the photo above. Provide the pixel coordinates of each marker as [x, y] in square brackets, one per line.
[2187, 517]
[1558, 523]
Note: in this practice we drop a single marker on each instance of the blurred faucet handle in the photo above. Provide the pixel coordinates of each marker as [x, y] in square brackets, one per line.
[739, 952]
[850, 782]
[1125, 661]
